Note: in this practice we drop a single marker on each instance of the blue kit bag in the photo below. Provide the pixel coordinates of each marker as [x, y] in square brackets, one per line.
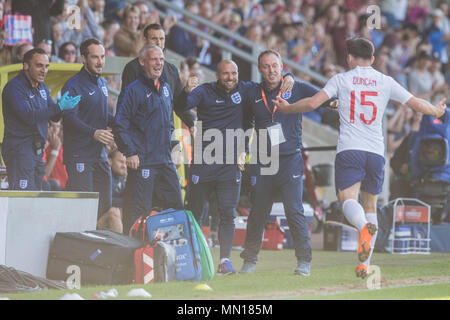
[176, 228]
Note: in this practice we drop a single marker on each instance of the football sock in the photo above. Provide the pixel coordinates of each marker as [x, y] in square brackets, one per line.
[354, 213]
[372, 218]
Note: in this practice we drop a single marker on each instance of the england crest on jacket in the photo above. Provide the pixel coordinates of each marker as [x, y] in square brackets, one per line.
[145, 173]
[105, 90]
[165, 91]
[236, 98]
[286, 95]
[43, 94]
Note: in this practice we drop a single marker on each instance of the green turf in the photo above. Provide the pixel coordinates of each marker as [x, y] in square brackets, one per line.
[429, 291]
[274, 279]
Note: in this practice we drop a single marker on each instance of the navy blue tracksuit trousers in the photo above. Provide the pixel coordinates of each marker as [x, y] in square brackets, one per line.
[288, 181]
[227, 195]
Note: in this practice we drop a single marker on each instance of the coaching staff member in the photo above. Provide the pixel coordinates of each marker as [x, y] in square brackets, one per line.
[143, 128]
[27, 107]
[154, 35]
[85, 128]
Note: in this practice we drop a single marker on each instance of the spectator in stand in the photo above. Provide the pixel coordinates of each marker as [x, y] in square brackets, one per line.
[40, 12]
[114, 10]
[341, 34]
[89, 28]
[68, 52]
[394, 11]
[438, 39]
[128, 40]
[19, 51]
[398, 127]
[184, 73]
[381, 61]
[400, 183]
[439, 85]
[444, 24]
[5, 51]
[399, 57]
[55, 177]
[180, 41]
[333, 16]
[417, 13]
[145, 17]
[57, 34]
[208, 54]
[420, 81]
[98, 9]
[194, 68]
[293, 7]
[46, 45]
[110, 28]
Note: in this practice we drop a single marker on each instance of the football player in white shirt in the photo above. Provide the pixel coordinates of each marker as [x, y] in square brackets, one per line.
[363, 94]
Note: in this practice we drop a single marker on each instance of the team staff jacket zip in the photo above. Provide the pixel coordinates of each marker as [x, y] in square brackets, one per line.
[170, 75]
[89, 115]
[290, 123]
[27, 109]
[219, 110]
[143, 123]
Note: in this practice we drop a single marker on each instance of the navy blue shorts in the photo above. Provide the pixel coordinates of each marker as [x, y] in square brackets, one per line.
[352, 166]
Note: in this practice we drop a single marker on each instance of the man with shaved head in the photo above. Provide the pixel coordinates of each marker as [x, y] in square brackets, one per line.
[219, 109]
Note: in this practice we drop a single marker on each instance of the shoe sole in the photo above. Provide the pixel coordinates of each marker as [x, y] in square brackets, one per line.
[302, 273]
[361, 272]
[225, 274]
[365, 238]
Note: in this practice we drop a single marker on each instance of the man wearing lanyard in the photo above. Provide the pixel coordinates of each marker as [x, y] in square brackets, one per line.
[27, 107]
[285, 135]
[85, 130]
[143, 128]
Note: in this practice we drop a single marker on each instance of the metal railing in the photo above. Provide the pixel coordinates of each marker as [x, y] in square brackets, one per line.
[227, 49]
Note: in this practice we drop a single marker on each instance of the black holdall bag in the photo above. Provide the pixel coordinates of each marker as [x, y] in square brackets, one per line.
[104, 257]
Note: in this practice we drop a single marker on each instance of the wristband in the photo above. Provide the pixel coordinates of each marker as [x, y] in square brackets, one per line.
[55, 152]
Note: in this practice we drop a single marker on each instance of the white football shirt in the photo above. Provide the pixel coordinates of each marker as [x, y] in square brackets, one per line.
[363, 94]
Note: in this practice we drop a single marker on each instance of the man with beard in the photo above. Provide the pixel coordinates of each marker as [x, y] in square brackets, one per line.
[27, 107]
[85, 128]
[220, 108]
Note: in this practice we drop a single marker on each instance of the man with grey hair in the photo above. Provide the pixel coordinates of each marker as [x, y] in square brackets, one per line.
[143, 128]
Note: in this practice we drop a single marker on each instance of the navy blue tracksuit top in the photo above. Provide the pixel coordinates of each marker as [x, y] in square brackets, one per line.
[143, 124]
[217, 109]
[26, 110]
[90, 115]
[291, 123]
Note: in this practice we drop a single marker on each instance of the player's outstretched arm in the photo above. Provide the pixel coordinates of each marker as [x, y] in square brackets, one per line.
[303, 105]
[423, 106]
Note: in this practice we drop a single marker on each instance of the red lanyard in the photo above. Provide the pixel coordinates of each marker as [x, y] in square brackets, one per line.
[157, 86]
[265, 102]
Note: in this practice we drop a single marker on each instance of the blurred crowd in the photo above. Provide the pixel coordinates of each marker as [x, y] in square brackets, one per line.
[411, 38]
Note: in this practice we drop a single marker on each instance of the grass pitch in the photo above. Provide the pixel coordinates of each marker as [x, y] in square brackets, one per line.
[332, 277]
